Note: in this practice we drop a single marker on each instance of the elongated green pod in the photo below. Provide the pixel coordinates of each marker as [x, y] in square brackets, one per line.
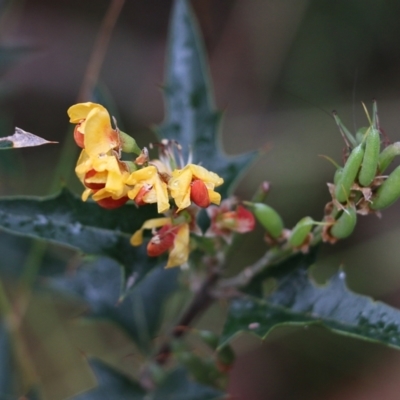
[300, 231]
[387, 156]
[350, 171]
[268, 218]
[360, 135]
[345, 224]
[388, 192]
[371, 158]
[338, 175]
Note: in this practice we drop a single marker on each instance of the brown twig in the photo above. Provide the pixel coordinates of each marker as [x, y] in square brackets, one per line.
[200, 303]
[99, 49]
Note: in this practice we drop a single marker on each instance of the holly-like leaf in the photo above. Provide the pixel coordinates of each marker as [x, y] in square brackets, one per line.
[65, 219]
[111, 385]
[21, 138]
[178, 386]
[298, 301]
[139, 313]
[191, 118]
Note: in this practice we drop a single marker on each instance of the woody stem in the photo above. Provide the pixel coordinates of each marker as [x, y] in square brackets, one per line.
[200, 303]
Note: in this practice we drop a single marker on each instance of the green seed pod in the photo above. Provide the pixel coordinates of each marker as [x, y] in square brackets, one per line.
[387, 156]
[350, 171]
[360, 134]
[371, 157]
[300, 231]
[345, 224]
[388, 192]
[338, 175]
[268, 218]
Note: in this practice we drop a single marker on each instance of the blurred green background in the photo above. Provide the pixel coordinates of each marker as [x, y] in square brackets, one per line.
[279, 69]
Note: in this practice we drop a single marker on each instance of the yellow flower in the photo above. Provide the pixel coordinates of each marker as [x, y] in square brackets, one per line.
[94, 131]
[175, 238]
[148, 187]
[194, 183]
[103, 176]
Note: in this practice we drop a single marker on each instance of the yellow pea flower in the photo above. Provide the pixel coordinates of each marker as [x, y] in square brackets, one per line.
[104, 177]
[93, 132]
[172, 238]
[194, 183]
[148, 187]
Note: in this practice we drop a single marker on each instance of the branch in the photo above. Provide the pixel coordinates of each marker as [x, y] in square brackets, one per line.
[200, 303]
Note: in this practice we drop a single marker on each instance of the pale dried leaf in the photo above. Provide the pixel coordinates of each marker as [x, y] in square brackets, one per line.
[22, 138]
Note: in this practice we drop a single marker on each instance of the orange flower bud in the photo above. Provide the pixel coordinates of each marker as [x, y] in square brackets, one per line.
[199, 193]
[111, 203]
[79, 137]
[162, 240]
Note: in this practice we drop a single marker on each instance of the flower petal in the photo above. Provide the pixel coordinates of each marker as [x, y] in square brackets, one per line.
[179, 186]
[99, 135]
[137, 237]
[180, 252]
[206, 176]
[80, 111]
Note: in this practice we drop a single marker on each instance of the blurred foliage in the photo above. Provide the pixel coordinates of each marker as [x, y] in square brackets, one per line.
[334, 54]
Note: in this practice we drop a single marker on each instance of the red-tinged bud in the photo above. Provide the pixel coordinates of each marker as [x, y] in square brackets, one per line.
[139, 199]
[162, 241]
[79, 137]
[199, 193]
[245, 220]
[111, 203]
[92, 185]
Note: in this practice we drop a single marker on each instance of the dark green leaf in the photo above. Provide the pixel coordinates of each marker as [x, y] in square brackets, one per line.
[112, 385]
[178, 386]
[191, 117]
[297, 301]
[65, 219]
[99, 284]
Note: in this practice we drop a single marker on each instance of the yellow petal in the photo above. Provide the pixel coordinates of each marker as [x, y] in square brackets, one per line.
[100, 177]
[160, 188]
[214, 197]
[144, 174]
[83, 165]
[180, 252]
[115, 184]
[206, 176]
[133, 192]
[86, 194]
[179, 186]
[99, 135]
[79, 111]
[137, 237]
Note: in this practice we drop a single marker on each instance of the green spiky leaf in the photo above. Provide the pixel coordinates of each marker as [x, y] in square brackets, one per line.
[139, 313]
[191, 118]
[298, 301]
[66, 220]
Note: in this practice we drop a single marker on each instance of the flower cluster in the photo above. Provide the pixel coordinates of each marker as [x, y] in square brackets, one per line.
[174, 186]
